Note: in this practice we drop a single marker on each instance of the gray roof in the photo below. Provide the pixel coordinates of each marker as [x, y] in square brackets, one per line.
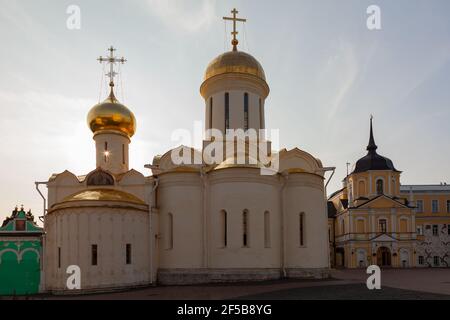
[425, 188]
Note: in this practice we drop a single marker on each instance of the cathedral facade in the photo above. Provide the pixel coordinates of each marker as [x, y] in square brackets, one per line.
[190, 221]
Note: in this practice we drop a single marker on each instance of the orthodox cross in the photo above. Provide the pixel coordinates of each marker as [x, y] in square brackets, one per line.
[112, 60]
[235, 41]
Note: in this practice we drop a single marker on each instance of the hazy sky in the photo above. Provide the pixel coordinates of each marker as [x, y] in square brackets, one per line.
[327, 73]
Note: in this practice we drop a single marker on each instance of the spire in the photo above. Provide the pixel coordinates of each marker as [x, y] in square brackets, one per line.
[111, 60]
[371, 147]
[235, 41]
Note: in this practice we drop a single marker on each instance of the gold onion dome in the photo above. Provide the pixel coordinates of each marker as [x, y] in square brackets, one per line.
[111, 115]
[235, 62]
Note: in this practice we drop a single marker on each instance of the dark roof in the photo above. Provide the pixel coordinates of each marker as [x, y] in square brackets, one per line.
[331, 209]
[373, 161]
[335, 193]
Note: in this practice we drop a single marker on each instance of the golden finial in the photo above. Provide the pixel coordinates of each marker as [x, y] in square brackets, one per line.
[235, 41]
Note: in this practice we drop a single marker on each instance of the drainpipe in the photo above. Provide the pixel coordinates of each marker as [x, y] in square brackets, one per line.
[323, 170]
[42, 287]
[152, 240]
[37, 184]
[284, 177]
[204, 177]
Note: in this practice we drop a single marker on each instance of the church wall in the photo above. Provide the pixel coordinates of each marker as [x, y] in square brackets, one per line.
[77, 228]
[304, 194]
[180, 194]
[236, 190]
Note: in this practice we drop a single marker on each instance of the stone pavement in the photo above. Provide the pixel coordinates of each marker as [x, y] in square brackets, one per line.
[345, 284]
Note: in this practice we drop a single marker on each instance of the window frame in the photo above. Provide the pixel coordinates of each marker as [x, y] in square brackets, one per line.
[433, 202]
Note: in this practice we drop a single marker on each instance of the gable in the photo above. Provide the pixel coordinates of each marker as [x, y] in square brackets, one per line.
[298, 159]
[382, 202]
[383, 238]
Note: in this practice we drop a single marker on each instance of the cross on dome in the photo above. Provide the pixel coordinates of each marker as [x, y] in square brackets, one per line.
[235, 41]
[111, 60]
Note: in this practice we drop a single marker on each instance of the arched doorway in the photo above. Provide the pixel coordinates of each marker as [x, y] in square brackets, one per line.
[340, 258]
[384, 257]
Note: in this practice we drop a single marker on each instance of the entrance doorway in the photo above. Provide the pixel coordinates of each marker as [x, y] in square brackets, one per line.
[384, 257]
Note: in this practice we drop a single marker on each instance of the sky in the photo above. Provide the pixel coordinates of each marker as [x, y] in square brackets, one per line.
[326, 70]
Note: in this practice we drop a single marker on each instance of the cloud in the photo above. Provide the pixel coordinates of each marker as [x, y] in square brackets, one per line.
[338, 77]
[189, 16]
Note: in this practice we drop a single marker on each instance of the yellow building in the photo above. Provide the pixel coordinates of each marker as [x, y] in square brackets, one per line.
[432, 223]
[373, 219]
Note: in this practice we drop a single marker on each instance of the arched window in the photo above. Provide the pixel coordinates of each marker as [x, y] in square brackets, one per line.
[301, 229]
[223, 228]
[380, 187]
[267, 229]
[227, 110]
[360, 226]
[361, 188]
[169, 238]
[245, 228]
[123, 154]
[246, 111]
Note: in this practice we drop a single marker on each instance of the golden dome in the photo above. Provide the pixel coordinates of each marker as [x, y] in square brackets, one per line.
[235, 62]
[103, 195]
[112, 115]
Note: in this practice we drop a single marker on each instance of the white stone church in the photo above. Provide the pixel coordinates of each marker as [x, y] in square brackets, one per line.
[194, 222]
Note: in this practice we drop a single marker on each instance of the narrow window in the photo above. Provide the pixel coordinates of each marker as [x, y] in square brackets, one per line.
[448, 206]
[59, 257]
[245, 111]
[210, 112]
[106, 152]
[267, 229]
[169, 244]
[436, 261]
[435, 230]
[128, 253]
[302, 229]
[434, 206]
[421, 260]
[94, 254]
[227, 111]
[123, 154]
[261, 124]
[419, 205]
[419, 230]
[223, 223]
[383, 228]
[245, 228]
[380, 187]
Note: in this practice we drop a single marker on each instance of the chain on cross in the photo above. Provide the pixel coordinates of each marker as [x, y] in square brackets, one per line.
[111, 60]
